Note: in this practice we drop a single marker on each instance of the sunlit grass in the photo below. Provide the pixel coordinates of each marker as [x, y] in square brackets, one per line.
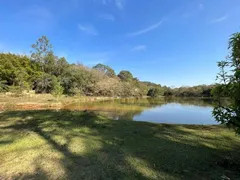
[48, 101]
[78, 145]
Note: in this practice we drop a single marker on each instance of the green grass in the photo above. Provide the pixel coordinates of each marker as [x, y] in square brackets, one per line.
[78, 145]
[46, 99]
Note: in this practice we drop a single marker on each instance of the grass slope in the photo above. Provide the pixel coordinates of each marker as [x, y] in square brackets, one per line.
[78, 145]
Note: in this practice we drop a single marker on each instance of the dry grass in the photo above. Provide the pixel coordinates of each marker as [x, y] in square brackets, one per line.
[43, 101]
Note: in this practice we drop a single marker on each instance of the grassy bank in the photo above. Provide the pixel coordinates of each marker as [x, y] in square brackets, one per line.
[48, 98]
[78, 145]
[44, 101]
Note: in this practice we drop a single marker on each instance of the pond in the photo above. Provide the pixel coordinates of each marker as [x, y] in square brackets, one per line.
[164, 110]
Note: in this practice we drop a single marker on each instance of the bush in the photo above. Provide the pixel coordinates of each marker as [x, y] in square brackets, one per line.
[57, 90]
[155, 92]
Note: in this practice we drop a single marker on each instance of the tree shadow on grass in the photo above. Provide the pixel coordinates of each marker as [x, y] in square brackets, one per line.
[38, 175]
[94, 147]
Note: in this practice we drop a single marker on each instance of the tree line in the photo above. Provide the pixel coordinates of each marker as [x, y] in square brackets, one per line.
[186, 91]
[44, 72]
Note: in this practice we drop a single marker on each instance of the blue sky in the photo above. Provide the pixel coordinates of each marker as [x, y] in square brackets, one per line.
[171, 42]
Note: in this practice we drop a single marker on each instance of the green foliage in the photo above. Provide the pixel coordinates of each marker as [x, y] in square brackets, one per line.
[43, 68]
[155, 92]
[50, 64]
[61, 67]
[194, 91]
[167, 91]
[16, 70]
[42, 49]
[57, 89]
[44, 72]
[45, 83]
[125, 76]
[230, 87]
[105, 69]
[3, 86]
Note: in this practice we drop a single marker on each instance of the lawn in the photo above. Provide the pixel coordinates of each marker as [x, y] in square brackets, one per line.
[83, 145]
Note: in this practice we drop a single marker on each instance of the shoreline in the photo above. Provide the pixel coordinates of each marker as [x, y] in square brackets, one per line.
[48, 101]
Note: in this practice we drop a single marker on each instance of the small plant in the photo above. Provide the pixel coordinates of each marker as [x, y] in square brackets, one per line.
[57, 90]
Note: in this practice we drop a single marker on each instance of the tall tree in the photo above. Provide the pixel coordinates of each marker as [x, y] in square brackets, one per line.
[125, 76]
[105, 69]
[230, 86]
[41, 50]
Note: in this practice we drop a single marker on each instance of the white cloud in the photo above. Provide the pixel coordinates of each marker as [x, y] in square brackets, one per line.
[108, 17]
[140, 48]
[150, 28]
[220, 19]
[88, 29]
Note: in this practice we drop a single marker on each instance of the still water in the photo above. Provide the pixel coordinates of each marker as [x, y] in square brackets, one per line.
[164, 110]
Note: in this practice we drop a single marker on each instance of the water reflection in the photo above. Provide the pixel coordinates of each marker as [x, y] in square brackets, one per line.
[163, 110]
[175, 113]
